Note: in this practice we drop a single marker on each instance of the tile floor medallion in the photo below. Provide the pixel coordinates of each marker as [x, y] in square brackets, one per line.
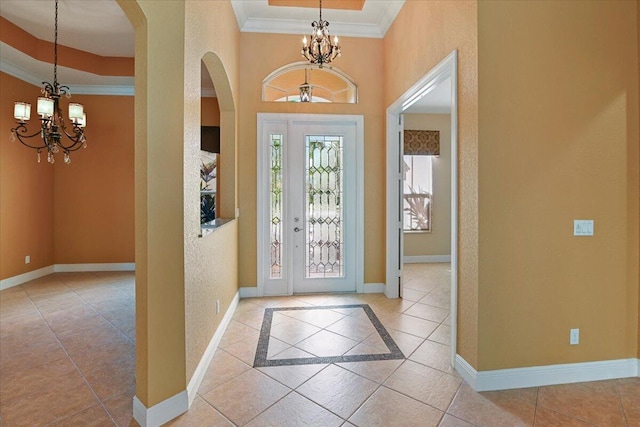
[321, 345]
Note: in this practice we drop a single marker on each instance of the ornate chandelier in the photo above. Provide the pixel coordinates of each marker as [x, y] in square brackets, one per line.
[320, 50]
[53, 126]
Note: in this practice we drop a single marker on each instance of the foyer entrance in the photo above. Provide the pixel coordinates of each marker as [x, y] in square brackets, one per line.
[309, 203]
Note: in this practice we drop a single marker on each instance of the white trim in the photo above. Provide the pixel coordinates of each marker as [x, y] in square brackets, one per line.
[466, 371]
[34, 79]
[285, 121]
[115, 266]
[60, 268]
[417, 259]
[373, 288]
[248, 292]
[446, 69]
[25, 277]
[113, 90]
[343, 25]
[161, 412]
[536, 376]
[201, 369]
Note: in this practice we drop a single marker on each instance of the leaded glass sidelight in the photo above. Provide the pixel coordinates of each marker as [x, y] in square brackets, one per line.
[275, 213]
[324, 212]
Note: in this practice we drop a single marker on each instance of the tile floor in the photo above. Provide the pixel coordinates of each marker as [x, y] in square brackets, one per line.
[69, 339]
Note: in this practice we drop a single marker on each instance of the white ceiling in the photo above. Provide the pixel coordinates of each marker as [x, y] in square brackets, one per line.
[101, 27]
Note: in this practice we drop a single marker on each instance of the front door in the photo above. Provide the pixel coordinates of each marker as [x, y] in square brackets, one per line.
[309, 218]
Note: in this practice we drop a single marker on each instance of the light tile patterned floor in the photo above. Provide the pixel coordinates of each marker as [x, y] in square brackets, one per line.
[67, 359]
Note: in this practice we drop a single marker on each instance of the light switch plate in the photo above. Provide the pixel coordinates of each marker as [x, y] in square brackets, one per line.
[583, 227]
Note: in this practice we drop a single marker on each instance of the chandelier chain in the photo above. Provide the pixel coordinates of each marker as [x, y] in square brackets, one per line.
[55, 48]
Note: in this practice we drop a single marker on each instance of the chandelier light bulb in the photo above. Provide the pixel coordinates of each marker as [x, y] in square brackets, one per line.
[22, 111]
[45, 107]
[76, 111]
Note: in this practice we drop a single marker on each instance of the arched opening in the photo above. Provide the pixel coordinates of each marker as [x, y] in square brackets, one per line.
[327, 84]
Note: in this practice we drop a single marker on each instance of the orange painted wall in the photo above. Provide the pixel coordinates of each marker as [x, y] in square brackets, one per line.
[26, 191]
[94, 195]
[422, 35]
[638, 34]
[558, 141]
[67, 214]
[209, 112]
[68, 57]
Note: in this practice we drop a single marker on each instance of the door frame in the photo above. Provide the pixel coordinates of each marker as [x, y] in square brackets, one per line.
[447, 68]
[264, 119]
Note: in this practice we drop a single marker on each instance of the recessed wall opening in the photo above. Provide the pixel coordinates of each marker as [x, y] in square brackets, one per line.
[325, 85]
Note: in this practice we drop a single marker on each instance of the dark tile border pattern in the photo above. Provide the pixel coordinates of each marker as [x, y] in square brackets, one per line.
[263, 343]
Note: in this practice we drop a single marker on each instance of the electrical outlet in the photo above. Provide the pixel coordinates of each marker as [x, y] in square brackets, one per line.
[217, 306]
[574, 337]
[27, 259]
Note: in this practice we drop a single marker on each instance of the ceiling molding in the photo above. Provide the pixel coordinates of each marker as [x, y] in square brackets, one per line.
[373, 21]
[30, 70]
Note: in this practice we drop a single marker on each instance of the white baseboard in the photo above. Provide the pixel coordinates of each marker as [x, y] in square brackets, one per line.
[248, 292]
[161, 412]
[116, 266]
[368, 288]
[25, 277]
[415, 259]
[64, 268]
[537, 376]
[203, 365]
[373, 288]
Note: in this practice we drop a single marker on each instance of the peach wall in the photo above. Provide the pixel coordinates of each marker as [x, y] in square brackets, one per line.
[438, 240]
[93, 196]
[558, 135]
[179, 276]
[26, 191]
[422, 35]
[211, 262]
[362, 60]
[638, 41]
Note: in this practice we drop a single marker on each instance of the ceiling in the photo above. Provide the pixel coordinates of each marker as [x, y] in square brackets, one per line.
[101, 27]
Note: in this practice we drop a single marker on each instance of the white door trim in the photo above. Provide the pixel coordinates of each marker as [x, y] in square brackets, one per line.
[264, 119]
[447, 68]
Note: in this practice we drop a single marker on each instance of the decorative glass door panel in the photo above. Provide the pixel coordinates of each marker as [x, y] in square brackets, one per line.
[324, 214]
[275, 206]
[308, 206]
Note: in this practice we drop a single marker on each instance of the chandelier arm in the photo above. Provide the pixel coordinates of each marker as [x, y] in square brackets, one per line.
[77, 140]
[19, 133]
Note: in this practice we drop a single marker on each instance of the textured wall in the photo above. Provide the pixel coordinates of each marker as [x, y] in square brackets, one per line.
[212, 36]
[558, 134]
[93, 196]
[422, 35]
[438, 241]
[26, 190]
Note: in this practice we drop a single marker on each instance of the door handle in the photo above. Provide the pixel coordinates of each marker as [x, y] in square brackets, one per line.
[297, 229]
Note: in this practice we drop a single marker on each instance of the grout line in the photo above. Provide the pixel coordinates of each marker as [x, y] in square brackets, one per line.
[74, 365]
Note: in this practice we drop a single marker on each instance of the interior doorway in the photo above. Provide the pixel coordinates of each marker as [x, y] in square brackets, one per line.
[310, 202]
[445, 71]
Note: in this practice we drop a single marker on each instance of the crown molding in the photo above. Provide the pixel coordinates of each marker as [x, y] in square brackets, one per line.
[36, 80]
[378, 17]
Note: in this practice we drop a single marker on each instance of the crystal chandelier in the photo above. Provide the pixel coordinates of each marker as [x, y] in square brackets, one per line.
[320, 50]
[53, 126]
[305, 89]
